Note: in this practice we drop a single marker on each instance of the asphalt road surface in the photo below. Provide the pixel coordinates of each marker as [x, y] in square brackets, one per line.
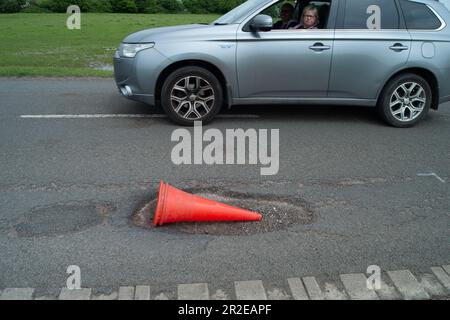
[69, 187]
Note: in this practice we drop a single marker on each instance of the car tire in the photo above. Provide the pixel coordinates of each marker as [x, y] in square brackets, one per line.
[191, 94]
[405, 100]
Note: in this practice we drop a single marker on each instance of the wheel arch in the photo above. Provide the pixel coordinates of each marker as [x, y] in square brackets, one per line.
[429, 76]
[197, 63]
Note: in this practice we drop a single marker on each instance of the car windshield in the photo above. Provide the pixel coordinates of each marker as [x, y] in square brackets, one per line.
[238, 14]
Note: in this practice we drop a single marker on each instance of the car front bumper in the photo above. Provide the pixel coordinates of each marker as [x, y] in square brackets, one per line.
[136, 77]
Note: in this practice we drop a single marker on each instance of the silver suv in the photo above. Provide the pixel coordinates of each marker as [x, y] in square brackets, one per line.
[390, 54]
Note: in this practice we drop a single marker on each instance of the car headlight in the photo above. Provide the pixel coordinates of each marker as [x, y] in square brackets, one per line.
[129, 50]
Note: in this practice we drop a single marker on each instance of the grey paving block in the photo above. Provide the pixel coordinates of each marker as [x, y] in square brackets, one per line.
[126, 293]
[442, 276]
[388, 292]
[250, 290]
[193, 291]
[142, 293]
[17, 294]
[431, 285]
[297, 289]
[313, 289]
[356, 286]
[76, 294]
[408, 285]
[446, 269]
[112, 296]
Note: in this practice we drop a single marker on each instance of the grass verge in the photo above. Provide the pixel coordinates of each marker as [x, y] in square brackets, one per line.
[41, 45]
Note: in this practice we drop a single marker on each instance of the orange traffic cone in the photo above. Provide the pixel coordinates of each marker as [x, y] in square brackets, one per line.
[175, 205]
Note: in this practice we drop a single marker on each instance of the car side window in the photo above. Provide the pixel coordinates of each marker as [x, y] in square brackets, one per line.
[282, 14]
[274, 11]
[286, 14]
[359, 14]
[419, 16]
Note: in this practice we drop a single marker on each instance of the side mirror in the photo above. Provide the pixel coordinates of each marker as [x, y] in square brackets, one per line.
[262, 22]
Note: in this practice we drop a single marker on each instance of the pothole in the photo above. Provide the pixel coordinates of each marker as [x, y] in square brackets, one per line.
[62, 219]
[278, 213]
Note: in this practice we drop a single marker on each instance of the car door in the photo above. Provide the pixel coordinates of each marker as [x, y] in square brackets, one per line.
[371, 44]
[284, 63]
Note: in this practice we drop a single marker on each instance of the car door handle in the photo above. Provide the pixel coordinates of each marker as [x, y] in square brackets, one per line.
[319, 47]
[398, 47]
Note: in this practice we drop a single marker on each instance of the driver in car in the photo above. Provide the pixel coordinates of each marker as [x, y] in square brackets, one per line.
[310, 18]
[286, 15]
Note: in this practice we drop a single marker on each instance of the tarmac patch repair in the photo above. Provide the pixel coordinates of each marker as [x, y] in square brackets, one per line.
[61, 219]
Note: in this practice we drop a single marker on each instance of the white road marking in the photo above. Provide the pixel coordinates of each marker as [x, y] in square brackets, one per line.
[77, 294]
[250, 290]
[142, 293]
[432, 174]
[126, 293]
[130, 116]
[17, 294]
[408, 285]
[237, 116]
[297, 289]
[194, 291]
[313, 289]
[356, 286]
[442, 276]
[90, 116]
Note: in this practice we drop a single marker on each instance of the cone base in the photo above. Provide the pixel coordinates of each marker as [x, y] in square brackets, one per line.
[162, 193]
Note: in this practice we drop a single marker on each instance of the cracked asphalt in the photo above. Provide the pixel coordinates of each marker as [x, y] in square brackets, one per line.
[68, 189]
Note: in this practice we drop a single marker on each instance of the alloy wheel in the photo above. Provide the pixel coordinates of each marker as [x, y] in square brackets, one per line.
[408, 101]
[192, 97]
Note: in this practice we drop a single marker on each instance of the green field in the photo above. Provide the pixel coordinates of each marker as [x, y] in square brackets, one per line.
[41, 45]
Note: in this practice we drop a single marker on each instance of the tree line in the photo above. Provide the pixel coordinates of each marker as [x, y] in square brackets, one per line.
[121, 6]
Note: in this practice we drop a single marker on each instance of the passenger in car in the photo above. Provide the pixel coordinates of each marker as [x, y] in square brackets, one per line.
[309, 19]
[286, 15]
